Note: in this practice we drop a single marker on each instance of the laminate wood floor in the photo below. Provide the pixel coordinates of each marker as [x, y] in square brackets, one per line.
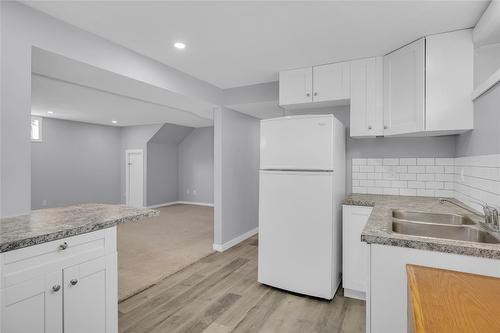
[220, 293]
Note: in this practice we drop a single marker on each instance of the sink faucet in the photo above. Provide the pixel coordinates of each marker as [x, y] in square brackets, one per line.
[490, 213]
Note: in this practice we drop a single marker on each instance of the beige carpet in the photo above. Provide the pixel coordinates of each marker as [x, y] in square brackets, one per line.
[154, 248]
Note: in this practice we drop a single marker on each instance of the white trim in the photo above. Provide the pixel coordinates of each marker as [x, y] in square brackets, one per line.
[127, 152]
[235, 241]
[351, 293]
[486, 85]
[40, 125]
[206, 204]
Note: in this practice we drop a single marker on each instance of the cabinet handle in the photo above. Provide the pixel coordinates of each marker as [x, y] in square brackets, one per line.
[73, 282]
[56, 288]
[308, 94]
[315, 94]
[370, 127]
[386, 127]
[63, 246]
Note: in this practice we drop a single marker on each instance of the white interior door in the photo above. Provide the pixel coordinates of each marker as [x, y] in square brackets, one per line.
[135, 178]
[296, 231]
[297, 143]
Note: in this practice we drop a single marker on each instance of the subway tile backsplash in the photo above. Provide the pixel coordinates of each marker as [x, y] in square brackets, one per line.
[469, 179]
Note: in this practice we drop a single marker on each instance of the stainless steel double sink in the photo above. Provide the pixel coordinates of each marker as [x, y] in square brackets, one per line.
[447, 226]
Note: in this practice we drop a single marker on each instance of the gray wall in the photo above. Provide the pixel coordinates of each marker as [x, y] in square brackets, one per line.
[162, 165]
[196, 166]
[485, 138]
[23, 27]
[236, 182]
[75, 163]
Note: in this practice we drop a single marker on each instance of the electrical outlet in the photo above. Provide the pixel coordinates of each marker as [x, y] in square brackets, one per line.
[194, 192]
[44, 202]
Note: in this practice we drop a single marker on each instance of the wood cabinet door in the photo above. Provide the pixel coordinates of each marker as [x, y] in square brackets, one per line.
[355, 252]
[404, 89]
[34, 306]
[295, 86]
[85, 297]
[331, 82]
[367, 115]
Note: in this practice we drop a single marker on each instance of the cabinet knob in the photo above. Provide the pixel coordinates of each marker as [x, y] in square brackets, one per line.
[315, 94]
[370, 127]
[73, 282]
[56, 288]
[308, 94]
[63, 246]
[386, 127]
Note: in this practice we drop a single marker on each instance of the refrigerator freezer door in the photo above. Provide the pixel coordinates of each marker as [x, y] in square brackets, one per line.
[297, 143]
[296, 232]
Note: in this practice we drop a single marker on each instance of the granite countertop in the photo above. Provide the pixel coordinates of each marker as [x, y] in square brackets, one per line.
[378, 229]
[45, 225]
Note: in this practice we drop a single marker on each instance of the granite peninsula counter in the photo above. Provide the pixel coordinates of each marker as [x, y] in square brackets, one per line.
[45, 225]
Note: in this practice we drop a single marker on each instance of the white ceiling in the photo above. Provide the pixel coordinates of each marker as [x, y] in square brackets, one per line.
[79, 103]
[239, 43]
[58, 81]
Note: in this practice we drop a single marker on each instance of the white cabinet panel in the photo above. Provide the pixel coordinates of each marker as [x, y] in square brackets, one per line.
[366, 97]
[85, 297]
[295, 86]
[355, 252]
[298, 142]
[404, 88]
[295, 246]
[34, 306]
[331, 82]
[449, 81]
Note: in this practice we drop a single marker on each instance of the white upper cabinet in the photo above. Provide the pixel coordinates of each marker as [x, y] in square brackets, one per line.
[295, 86]
[331, 82]
[366, 98]
[404, 89]
[428, 85]
[449, 82]
[315, 86]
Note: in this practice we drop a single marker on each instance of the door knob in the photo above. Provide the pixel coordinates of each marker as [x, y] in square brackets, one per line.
[63, 246]
[73, 282]
[56, 288]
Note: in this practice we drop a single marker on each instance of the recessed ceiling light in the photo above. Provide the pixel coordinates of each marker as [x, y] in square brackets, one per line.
[114, 121]
[50, 112]
[180, 45]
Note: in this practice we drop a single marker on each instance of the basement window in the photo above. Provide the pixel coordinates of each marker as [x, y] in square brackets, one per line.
[36, 129]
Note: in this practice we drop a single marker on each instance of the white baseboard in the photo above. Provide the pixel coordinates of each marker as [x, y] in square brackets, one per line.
[355, 294]
[235, 241]
[206, 204]
[181, 203]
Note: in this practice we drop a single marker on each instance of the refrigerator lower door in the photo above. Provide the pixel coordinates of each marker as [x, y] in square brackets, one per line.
[296, 232]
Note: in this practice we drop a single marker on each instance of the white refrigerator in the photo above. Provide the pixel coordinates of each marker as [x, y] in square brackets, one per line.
[302, 185]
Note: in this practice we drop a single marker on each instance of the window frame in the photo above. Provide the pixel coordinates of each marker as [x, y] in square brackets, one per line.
[40, 126]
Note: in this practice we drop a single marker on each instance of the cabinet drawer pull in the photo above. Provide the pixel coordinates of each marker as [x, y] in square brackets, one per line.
[56, 288]
[73, 282]
[63, 246]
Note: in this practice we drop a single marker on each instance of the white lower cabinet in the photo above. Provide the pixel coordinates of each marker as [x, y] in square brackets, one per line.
[68, 285]
[355, 252]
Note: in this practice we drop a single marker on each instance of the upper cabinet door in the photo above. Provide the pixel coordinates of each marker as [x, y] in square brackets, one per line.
[366, 97]
[331, 82]
[404, 87]
[295, 86]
